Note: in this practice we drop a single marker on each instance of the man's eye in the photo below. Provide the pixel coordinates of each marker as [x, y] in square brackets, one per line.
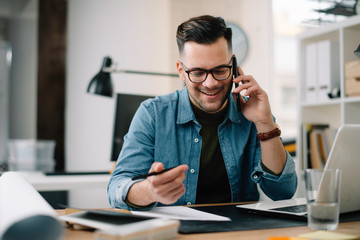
[221, 71]
[197, 73]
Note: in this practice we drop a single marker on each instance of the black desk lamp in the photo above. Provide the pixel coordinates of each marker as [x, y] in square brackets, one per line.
[357, 51]
[101, 83]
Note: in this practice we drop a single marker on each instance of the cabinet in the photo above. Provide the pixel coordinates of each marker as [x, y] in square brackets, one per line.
[345, 36]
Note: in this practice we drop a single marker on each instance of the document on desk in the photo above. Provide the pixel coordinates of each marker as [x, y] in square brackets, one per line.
[180, 213]
[24, 213]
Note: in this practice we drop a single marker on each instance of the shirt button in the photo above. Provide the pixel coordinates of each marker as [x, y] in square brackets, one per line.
[196, 140]
[192, 170]
[255, 176]
[189, 203]
[264, 174]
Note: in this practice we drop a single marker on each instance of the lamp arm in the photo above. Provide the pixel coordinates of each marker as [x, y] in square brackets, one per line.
[112, 70]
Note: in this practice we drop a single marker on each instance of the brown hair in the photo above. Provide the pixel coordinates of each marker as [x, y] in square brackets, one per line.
[204, 29]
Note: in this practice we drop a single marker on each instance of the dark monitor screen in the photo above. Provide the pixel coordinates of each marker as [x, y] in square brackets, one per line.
[125, 108]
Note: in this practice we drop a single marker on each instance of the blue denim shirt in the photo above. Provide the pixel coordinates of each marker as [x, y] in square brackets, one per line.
[164, 129]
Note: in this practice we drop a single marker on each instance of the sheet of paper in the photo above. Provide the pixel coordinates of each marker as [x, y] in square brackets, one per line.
[181, 213]
[24, 212]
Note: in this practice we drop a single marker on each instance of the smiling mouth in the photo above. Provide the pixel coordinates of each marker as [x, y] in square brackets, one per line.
[211, 93]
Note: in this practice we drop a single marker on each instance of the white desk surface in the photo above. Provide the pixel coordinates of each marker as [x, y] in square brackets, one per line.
[42, 182]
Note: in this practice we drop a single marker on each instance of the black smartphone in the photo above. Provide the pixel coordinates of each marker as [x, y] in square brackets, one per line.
[235, 75]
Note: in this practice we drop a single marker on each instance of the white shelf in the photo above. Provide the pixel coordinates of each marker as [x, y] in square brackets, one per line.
[322, 103]
[332, 102]
[352, 99]
[335, 112]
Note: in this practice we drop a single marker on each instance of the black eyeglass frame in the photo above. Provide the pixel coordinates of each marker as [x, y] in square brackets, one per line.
[207, 72]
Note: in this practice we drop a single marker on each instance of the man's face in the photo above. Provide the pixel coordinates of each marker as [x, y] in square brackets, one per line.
[210, 95]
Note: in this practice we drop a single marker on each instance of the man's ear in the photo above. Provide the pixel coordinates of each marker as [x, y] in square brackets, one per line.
[180, 70]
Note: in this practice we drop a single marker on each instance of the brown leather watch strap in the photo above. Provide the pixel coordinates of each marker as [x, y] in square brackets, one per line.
[268, 135]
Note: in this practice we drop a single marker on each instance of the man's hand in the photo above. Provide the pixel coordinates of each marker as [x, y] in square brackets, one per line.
[257, 108]
[166, 188]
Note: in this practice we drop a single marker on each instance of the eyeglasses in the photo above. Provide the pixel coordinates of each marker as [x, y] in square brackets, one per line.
[199, 75]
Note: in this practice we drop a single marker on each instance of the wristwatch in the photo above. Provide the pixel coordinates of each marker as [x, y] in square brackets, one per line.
[268, 135]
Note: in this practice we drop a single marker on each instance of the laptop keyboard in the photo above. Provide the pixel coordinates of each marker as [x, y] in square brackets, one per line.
[294, 209]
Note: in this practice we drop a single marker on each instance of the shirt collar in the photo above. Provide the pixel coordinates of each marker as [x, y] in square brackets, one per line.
[186, 114]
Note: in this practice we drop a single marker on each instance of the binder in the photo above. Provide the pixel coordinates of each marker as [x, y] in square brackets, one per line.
[322, 70]
[311, 73]
[328, 68]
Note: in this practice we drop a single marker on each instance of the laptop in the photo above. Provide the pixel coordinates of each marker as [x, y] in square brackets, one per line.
[344, 155]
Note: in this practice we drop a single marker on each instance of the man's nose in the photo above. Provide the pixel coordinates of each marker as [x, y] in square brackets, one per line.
[210, 81]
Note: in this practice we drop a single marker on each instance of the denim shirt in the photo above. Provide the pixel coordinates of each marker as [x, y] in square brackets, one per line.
[164, 129]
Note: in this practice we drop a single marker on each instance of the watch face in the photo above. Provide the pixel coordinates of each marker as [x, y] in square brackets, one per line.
[240, 42]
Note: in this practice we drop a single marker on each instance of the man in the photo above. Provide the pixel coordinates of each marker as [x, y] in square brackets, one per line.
[214, 148]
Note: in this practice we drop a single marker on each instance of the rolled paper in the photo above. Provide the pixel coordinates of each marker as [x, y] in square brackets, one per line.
[24, 213]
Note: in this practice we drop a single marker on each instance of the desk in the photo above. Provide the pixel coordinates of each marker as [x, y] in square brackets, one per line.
[349, 228]
[42, 182]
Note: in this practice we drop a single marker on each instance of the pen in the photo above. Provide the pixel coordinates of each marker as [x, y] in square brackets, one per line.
[150, 174]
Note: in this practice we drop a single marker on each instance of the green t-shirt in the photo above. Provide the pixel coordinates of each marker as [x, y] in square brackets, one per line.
[213, 183]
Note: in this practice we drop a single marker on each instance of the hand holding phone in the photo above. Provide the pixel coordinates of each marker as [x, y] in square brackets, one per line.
[235, 75]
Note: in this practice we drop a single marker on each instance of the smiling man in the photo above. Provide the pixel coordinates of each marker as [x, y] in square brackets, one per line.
[218, 153]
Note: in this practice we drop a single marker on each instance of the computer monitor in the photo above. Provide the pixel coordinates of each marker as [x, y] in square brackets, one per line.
[125, 108]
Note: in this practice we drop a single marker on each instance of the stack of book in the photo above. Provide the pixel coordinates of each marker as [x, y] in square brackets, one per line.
[319, 139]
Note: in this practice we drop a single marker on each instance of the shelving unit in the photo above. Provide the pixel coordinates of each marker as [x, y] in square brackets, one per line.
[336, 111]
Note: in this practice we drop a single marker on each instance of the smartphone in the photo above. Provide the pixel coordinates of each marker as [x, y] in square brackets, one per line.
[235, 75]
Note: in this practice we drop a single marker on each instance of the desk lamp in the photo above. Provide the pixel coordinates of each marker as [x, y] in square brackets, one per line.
[101, 83]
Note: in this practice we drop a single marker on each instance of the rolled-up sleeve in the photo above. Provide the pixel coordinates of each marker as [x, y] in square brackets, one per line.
[277, 187]
[118, 190]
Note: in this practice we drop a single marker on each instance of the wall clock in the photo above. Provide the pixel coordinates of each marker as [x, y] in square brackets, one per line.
[240, 42]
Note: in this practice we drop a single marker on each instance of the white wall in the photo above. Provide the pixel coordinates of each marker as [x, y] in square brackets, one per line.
[256, 18]
[135, 35]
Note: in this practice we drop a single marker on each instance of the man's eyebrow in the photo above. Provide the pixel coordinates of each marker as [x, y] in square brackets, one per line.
[197, 68]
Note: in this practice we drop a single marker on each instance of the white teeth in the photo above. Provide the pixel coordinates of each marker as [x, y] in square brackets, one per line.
[210, 94]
